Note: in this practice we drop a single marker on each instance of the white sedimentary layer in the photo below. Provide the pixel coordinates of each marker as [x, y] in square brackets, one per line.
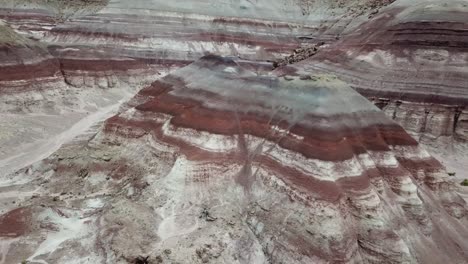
[71, 226]
[319, 169]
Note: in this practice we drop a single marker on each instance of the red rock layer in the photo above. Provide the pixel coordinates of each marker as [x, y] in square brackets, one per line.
[314, 135]
[15, 223]
[23, 63]
[25, 67]
[317, 142]
[407, 61]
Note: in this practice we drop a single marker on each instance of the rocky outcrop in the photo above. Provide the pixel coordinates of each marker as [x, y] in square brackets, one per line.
[298, 55]
[214, 163]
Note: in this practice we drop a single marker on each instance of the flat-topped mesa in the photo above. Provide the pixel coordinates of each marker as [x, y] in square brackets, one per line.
[411, 60]
[311, 138]
[335, 122]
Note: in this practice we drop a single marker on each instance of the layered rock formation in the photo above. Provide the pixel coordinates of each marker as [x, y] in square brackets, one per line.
[214, 163]
[83, 56]
[101, 40]
[219, 162]
[405, 43]
[39, 107]
[410, 59]
[26, 66]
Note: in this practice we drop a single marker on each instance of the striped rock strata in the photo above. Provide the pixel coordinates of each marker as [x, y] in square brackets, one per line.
[83, 56]
[96, 41]
[216, 164]
[411, 61]
[38, 105]
[26, 66]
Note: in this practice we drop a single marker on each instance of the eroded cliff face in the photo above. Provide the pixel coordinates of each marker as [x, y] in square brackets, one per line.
[214, 163]
[442, 129]
[26, 67]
